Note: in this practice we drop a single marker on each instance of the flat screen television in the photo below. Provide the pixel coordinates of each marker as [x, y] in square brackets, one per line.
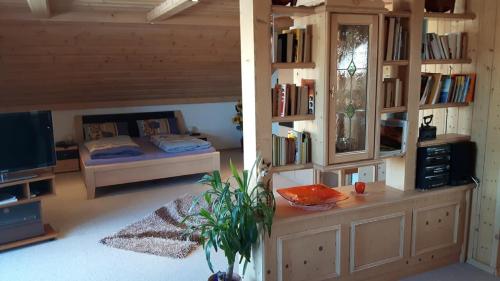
[26, 141]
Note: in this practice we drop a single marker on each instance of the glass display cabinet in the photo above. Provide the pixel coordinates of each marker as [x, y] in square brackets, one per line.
[353, 74]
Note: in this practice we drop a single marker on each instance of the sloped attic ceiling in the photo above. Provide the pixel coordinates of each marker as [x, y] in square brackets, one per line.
[92, 53]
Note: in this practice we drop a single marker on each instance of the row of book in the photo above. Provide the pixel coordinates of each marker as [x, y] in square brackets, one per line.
[396, 39]
[442, 47]
[438, 88]
[292, 45]
[290, 99]
[292, 149]
[392, 88]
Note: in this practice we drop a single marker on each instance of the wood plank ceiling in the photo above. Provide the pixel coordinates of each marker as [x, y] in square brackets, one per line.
[91, 53]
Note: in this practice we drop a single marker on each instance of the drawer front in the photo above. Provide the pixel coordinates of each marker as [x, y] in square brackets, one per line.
[67, 154]
[21, 231]
[19, 214]
[311, 255]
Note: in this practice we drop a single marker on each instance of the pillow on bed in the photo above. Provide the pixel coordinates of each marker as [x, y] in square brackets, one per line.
[113, 147]
[152, 127]
[95, 131]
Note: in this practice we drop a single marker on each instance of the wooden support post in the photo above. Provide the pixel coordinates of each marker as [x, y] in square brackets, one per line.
[401, 172]
[255, 34]
[39, 8]
[256, 79]
[169, 8]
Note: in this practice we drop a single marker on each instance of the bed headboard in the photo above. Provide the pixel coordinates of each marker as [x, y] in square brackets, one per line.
[129, 118]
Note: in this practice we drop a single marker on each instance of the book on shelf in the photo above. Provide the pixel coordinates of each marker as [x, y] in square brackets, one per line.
[396, 39]
[436, 88]
[295, 148]
[311, 94]
[292, 45]
[393, 92]
[444, 47]
[290, 99]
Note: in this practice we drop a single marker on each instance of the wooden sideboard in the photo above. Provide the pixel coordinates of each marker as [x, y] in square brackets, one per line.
[383, 235]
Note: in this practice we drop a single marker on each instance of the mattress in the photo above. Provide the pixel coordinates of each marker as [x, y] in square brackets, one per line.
[151, 152]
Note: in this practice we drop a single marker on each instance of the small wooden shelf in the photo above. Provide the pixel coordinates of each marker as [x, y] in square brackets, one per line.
[394, 109]
[292, 167]
[293, 65]
[464, 16]
[443, 105]
[398, 14]
[388, 156]
[396, 62]
[50, 234]
[444, 139]
[282, 11]
[452, 61]
[293, 118]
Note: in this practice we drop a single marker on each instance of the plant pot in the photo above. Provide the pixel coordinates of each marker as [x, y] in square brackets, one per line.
[439, 6]
[236, 277]
[284, 2]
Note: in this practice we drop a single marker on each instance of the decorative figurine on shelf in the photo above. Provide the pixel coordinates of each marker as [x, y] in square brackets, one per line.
[360, 187]
[285, 2]
[426, 131]
[238, 119]
[440, 6]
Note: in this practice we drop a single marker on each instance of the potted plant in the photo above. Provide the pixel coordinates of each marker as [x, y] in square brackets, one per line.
[233, 218]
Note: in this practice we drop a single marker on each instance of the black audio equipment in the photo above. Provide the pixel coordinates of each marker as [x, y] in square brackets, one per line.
[462, 162]
[433, 166]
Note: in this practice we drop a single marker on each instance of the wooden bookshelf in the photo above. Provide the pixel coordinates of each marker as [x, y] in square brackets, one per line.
[293, 118]
[443, 105]
[462, 16]
[394, 109]
[50, 234]
[451, 61]
[293, 65]
[292, 167]
[388, 156]
[287, 11]
[444, 139]
[395, 62]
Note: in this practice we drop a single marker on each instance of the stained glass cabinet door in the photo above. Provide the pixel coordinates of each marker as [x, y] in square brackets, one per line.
[353, 76]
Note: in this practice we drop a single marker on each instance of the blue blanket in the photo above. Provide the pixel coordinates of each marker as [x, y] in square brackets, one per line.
[179, 143]
[114, 147]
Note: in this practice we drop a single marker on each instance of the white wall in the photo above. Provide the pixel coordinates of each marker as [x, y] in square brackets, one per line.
[212, 119]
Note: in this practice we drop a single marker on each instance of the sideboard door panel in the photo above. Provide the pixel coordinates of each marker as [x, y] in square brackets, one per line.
[311, 255]
[377, 241]
[435, 227]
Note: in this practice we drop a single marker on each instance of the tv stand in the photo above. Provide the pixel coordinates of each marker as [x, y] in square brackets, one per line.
[29, 190]
[10, 177]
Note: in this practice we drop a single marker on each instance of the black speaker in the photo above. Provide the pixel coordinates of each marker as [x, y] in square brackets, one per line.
[462, 162]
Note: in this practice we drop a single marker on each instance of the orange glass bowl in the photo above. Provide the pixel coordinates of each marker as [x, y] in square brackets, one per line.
[312, 195]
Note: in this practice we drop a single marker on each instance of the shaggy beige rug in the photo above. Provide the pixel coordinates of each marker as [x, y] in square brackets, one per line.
[160, 233]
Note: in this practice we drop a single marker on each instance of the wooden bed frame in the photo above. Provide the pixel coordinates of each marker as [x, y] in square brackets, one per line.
[137, 171]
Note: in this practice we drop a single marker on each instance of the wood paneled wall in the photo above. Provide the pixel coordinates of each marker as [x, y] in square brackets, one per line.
[60, 65]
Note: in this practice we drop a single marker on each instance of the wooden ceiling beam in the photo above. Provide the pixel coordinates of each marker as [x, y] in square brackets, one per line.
[39, 8]
[169, 8]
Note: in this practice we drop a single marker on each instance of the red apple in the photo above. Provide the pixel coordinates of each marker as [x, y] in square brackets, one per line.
[360, 187]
